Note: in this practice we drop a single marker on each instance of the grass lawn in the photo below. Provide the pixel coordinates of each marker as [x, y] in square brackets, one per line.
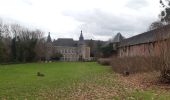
[67, 80]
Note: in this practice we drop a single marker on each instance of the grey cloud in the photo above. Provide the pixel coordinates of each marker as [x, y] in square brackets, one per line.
[105, 24]
[137, 4]
[28, 2]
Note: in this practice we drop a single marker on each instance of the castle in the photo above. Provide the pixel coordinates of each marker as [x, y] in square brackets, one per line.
[70, 49]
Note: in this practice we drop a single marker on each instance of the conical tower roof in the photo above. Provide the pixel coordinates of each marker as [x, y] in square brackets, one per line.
[81, 39]
[118, 37]
[49, 38]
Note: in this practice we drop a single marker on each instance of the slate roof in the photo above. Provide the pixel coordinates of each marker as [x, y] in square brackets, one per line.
[81, 39]
[95, 41]
[147, 37]
[118, 38]
[49, 38]
[69, 42]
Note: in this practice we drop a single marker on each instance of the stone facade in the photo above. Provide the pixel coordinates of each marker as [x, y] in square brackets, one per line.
[137, 50]
[71, 50]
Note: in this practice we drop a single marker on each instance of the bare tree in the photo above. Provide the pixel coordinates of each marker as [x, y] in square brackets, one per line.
[155, 25]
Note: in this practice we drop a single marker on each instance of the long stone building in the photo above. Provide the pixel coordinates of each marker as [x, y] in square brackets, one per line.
[70, 49]
[146, 44]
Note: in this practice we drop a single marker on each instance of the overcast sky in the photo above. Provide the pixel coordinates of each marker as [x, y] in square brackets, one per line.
[99, 19]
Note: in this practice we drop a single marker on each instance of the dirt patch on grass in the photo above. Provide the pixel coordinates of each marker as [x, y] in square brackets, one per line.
[143, 81]
[110, 86]
[138, 81]
[98, 87]
[92, 92]
[81, 91]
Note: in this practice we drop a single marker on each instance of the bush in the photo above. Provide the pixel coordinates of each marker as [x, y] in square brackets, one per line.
[132, 64]
[163, 60]
[56, 56]
[158, 60]
[104, 61]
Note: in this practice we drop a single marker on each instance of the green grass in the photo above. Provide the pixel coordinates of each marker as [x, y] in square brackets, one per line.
[149, 95]
[66, 80]
[21, 81]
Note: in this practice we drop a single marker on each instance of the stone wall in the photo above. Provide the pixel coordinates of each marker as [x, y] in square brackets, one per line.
[145, 49]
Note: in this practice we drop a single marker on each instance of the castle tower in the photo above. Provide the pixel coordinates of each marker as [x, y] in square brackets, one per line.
[116, 40]
[82, 46]
[50, 47]
[81, 39]
[49, 38]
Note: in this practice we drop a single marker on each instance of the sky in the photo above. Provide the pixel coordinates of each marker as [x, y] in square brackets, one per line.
[98, 19]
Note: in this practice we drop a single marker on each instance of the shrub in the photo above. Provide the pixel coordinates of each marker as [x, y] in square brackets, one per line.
[56, 56]
[132, 64]
[104, 61]
[163, 60]
[160, 61]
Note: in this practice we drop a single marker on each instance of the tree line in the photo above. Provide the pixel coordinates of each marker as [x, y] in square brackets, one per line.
[21, 44]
